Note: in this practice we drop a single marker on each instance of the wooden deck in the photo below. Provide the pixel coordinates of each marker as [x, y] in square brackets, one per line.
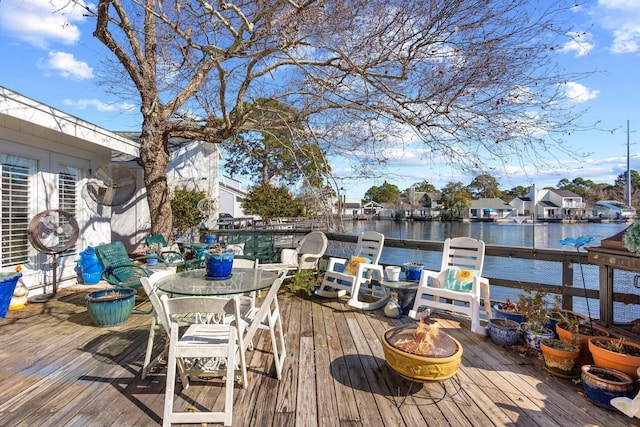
[57, 369]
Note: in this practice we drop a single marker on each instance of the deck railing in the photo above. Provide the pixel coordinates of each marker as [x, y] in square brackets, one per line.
[511, 270]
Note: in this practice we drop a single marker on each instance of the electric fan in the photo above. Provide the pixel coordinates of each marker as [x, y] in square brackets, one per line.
[52, 232]
[110, 185]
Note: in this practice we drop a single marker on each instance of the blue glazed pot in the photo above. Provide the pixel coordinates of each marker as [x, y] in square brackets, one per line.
[412, 272]
[504, 331]
[8, 283]
[110, 307]
[501, 314]
[210, 239]
[603, 384]
[219, 265]
[532, 339]
[152, 259]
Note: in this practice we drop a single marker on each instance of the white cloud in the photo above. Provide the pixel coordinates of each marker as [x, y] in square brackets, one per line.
[622, 18]
[42, 22]
[67, 66]
[579, 93]
[83, 104]
[581, 43]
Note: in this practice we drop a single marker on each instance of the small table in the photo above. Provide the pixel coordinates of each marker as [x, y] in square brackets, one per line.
[192, 282]
[406, 292]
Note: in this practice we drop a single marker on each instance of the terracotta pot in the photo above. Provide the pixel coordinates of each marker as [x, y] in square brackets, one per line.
[585, 355]
[554, 318]
[558, 361]
[629, 364]
[603, 384]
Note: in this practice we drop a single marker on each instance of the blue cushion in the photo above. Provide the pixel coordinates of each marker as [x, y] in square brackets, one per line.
[460, 280]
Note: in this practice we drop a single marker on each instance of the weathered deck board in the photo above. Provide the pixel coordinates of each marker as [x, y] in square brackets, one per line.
[57, 369]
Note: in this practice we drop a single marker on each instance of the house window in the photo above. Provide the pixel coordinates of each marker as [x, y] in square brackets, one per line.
[17, 184]
[68, 181]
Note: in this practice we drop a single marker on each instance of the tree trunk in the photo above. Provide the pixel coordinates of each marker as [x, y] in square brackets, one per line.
[155, 161]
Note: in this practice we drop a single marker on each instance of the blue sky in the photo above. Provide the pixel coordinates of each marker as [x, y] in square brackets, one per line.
[54, 59]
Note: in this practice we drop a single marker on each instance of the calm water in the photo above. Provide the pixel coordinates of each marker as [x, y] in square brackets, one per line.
[494, 233]
[508, 234]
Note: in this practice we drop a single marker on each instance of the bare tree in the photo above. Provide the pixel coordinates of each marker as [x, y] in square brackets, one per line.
[473, 79]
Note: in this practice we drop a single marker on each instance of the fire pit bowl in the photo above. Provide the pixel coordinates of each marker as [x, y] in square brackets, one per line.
[421, 353]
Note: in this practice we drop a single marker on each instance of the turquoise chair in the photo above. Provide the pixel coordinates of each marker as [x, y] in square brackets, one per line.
[172, 258]
[120, 270]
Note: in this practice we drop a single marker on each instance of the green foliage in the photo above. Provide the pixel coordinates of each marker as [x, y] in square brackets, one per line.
[484, 185]
[631, 238]
[621, 180]
[562, 345]
[184, 205]
[534, 307]
[383, 193]
[305, 281]
[278, 147]
[424, 187]
[517, 191]
[270, 202]
[455, 199]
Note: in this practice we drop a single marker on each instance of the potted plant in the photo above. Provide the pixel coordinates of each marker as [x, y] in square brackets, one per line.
[110, 307]
[560, 357]
[557, 315]
[533, 307]
[603, 384]
[579, 330]
[153, 251]
[219, 263]
[413, 271]
[631, 238]
[509, 310]
[616, 353]
[305, 281]
[504, 331]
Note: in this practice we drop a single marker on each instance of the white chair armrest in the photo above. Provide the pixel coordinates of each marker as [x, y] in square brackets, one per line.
[333, 261]
[289, 256]
[435, 276]
[371, 268]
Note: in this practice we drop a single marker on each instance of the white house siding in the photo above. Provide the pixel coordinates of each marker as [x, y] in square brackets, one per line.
[54, 139]
[231, 196]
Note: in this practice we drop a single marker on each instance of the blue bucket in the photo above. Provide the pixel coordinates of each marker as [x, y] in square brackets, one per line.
[8, 283]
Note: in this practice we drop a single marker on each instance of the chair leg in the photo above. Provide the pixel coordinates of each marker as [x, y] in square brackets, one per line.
[277, 339]
[475, 319]
[170, 387]
[146, 365]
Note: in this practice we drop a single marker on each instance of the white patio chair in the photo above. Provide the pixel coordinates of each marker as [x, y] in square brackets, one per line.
[459, 286]
[248, 302]
[267, 317]
[219, 342]
[159, 319]
[304, 257]
[629, 407]
[358, 274]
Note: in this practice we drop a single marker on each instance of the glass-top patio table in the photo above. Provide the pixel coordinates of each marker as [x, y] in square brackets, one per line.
[193, 282]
